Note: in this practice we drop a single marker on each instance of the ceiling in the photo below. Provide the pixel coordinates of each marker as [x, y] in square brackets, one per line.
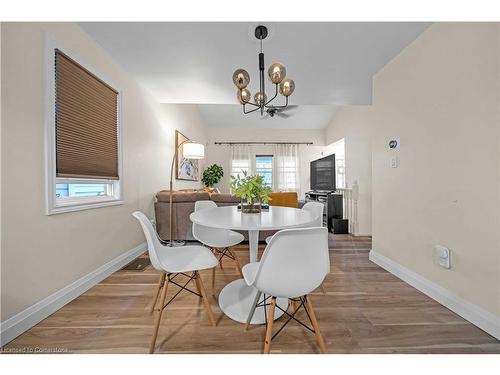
[331, 63]
[301, 117]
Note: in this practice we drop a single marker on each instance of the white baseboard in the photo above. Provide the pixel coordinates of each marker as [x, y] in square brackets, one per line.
[24, 320]
[483, 319]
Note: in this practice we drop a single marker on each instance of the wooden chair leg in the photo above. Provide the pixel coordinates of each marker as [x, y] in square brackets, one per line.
[158, 289]
[238, 265]
[314, 322]
[213, 281]
[158, 319]
[198, 288]
[201, 288]
[269, 329]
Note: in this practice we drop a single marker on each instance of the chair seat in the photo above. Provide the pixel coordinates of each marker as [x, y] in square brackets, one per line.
[250, 272]
[186, 258]
[222, 238]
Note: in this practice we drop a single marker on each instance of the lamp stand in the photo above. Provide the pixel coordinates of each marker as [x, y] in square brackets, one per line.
[171, 242]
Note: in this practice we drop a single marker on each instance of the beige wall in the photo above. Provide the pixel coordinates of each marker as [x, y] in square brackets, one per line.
[498, 228]
[41, 254]
[221, 154]
[354, 125]
[0, 157]
[440, 96]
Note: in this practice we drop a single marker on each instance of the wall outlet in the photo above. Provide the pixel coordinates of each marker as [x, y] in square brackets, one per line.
[442, 256]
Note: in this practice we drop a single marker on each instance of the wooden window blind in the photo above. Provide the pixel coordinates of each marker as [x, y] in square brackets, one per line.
[86, 123]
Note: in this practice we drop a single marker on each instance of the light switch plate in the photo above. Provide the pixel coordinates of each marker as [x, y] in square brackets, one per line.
[394, 162]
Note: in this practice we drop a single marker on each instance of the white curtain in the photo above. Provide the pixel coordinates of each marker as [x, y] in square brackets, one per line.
[287, 165]
[241, 160]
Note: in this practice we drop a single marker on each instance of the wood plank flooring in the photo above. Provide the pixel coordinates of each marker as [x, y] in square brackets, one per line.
[365, 310]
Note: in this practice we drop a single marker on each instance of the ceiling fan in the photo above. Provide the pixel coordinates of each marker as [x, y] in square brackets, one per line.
[279, 111]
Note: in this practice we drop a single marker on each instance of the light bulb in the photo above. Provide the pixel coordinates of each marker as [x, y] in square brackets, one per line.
[244, 96]
[287, 86]
[241, 78]
[260, 99]
[277, 72]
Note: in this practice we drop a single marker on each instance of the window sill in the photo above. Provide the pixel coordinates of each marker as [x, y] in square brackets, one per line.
[70, 207]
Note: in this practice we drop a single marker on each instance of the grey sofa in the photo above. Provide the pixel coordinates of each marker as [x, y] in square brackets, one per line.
[183, 205]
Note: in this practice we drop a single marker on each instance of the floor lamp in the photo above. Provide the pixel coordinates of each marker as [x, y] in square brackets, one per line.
[190, 150]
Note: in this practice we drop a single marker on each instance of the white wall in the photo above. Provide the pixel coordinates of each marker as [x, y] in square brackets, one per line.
[353, 124]
[220, 154]
[187, 119]
[41, 254]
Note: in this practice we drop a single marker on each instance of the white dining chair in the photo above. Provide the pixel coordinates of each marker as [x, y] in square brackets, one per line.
[316, 209]
[172, 262]
[219, 241]
[294, 263]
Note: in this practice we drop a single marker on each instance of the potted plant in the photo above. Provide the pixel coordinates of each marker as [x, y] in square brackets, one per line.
[252, 191]
[211, 176]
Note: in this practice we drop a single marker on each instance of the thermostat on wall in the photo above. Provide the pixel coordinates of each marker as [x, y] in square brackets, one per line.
[394, 143]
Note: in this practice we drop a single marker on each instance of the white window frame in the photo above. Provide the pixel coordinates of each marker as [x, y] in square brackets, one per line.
[69, 204]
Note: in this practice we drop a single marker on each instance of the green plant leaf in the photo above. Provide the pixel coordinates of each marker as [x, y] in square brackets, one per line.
[250, 187]
[212, 175]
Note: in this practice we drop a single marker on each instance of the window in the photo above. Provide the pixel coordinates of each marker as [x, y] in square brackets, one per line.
[287, 163]
[340, 178]
[264, 167]
[81, 190]
[288, 174]
[338, 148]
[82, 135]
[238, 166]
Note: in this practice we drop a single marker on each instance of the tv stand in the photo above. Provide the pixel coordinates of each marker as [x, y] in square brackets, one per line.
[333, 203]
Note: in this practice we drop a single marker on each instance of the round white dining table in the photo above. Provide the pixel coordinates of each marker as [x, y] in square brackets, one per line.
[236, 298]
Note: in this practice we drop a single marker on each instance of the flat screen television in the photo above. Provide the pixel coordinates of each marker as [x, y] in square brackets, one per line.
[323, 174]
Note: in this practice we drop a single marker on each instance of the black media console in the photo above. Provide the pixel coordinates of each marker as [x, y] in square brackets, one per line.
[333, 214]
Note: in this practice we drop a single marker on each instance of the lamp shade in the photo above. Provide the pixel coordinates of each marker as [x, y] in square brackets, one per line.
[193, 151]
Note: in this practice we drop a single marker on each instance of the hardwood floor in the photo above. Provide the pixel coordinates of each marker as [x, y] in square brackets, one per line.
[365, 310]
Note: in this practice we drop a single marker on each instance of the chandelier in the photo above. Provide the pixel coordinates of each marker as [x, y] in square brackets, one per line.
[277, 74]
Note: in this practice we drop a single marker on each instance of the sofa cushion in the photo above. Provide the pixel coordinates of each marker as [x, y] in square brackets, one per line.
[182, 196]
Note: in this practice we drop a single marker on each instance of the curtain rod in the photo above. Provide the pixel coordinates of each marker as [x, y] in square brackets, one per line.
[263, 143]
